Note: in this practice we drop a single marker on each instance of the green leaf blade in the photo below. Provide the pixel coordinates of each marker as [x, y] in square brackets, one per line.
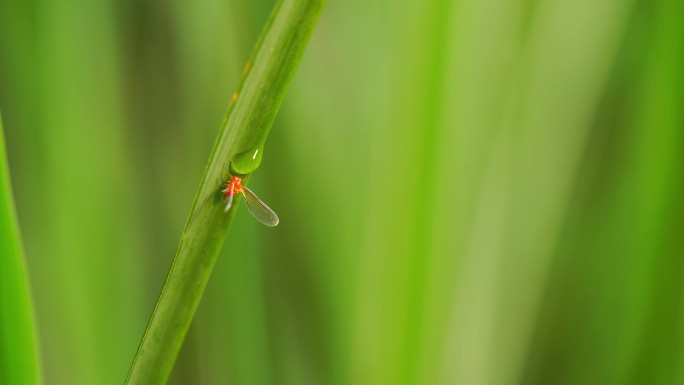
[18, 349]
[250, 116]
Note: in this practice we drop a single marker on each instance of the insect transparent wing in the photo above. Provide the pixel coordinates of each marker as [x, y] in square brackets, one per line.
[259, 209]
[229, 192]
[229, 202]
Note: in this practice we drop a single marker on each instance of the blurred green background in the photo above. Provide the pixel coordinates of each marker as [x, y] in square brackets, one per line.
[470, 192]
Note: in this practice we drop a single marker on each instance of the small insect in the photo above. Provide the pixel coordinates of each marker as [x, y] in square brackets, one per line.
[258, 208]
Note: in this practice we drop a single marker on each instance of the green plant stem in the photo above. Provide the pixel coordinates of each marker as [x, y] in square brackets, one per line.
[250, 116]
[18, 352]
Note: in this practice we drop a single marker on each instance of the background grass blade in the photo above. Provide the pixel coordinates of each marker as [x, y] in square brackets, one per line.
[18, 353]
[253, 109]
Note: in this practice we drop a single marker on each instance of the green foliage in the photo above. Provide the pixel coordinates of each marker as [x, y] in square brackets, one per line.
[476, 192]
[251, 114]
[18, 353]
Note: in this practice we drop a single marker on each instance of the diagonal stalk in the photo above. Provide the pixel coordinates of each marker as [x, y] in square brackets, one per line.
[240, 144]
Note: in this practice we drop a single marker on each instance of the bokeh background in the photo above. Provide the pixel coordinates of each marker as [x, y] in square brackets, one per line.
[470, 192]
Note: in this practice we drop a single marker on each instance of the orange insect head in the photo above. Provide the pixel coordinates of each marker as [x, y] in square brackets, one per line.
[233, 186]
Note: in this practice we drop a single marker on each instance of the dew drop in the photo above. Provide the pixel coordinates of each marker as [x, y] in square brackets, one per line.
[248, 161]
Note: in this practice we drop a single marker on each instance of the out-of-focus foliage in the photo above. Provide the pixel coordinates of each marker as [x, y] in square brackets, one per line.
[471, 192]
[18, 355]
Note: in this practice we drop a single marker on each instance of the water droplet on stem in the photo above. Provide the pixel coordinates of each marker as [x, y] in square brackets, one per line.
[248, 161]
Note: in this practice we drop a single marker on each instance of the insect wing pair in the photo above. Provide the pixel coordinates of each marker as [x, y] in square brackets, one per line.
[256, 206]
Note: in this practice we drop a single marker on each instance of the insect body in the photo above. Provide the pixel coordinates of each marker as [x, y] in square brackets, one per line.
[258, 208]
